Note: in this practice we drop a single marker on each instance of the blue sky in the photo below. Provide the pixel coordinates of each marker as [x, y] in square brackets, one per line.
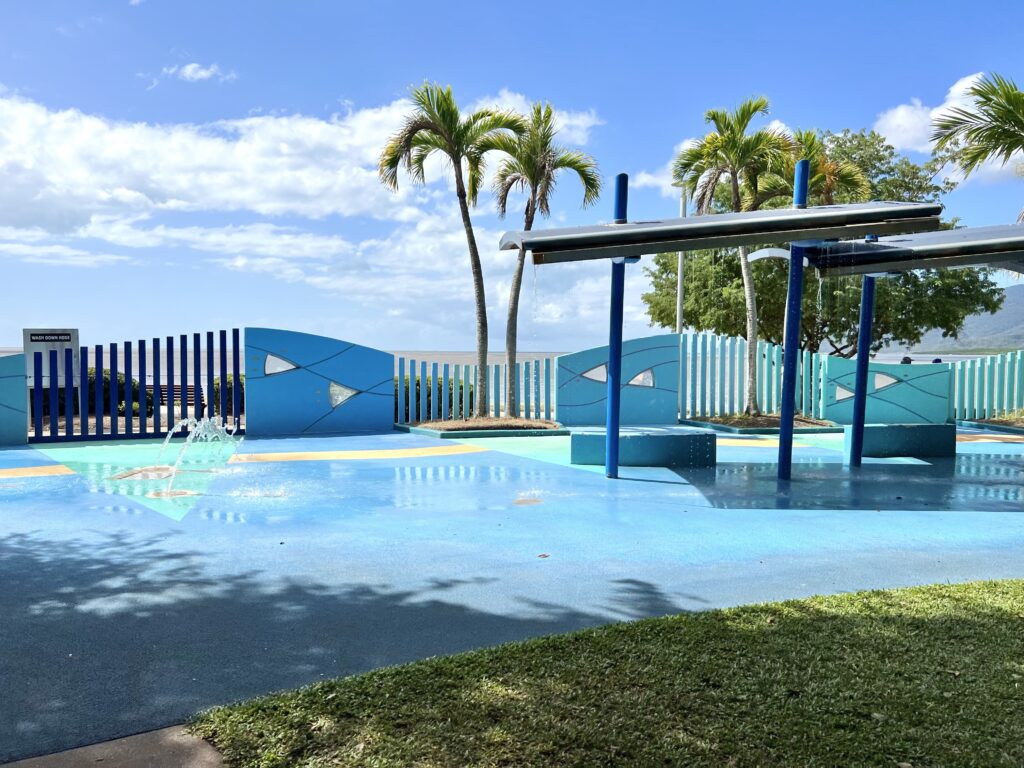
[169, 167]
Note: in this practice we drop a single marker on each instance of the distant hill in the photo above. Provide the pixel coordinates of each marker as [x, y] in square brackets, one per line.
[1002, 331]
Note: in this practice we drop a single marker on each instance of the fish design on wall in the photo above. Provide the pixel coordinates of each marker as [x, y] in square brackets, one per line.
[303, 384]
[897, 394]
[650, 375]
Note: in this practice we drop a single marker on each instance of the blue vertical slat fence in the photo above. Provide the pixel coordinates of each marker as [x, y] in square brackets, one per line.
[157, 386]
[536, 389]
[456, 393]
[98, 392]
[211, 395]
[445, 404]
[143, 390]
[115, 394]
[197, 378]
[129, 399]
[183, 374]
[236, 377]
[83, 390]
[435, 406]
[549, 398]
[37, 394]
[527, 382]
[69, 391]
[54, 403]
[497, 391]
[423, 391]
[223, 403]
[171, 418]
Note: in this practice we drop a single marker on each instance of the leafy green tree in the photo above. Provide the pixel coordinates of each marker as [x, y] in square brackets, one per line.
[531, 164]
[436, 126]
[991, 128]
[890, 175]
[906, 307]
[731, 156]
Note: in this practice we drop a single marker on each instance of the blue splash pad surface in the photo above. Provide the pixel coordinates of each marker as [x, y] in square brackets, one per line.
[119, 618]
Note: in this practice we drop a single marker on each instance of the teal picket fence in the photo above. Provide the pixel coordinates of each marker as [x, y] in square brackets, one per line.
[987, 387]
[711, 383]
[713, 377]
[430, 390]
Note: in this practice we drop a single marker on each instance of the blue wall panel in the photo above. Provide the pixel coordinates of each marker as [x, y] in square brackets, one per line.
[13, 401]
[897, 394]
[650, 376]
[301, 384]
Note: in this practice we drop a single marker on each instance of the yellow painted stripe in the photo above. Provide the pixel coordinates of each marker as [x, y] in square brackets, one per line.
[47, 470]
[393, 453]
[757, 442]
[990, 438]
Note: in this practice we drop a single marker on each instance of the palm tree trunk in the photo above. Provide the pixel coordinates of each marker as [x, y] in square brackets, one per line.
[478, 293]
[751, 408]
[512, 326]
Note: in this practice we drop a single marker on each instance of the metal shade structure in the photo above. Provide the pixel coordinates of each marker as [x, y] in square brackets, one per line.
[825, 222]
[808, 229]
[998, 246]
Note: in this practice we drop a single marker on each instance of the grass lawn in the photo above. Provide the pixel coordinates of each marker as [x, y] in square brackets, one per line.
[922, 677]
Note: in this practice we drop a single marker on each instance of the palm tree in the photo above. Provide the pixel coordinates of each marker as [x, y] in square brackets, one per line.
[437, 126]
[730, 155]
[993, 127]
[531, 163]
[830, 178]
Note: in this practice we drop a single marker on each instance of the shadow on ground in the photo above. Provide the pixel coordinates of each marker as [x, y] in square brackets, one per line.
[116, 634]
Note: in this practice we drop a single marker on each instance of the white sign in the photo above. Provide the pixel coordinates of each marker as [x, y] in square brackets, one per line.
[46, 339]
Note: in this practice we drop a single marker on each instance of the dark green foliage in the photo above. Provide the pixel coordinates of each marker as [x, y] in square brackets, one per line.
[923, 676]
[905, 307]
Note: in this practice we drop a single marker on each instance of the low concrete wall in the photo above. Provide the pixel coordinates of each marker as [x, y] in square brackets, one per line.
[915, 440]
[648, 447]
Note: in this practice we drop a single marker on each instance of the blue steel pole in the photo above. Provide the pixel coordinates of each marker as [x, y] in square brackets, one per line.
[860, 386]
[611, 445]
[791, 343]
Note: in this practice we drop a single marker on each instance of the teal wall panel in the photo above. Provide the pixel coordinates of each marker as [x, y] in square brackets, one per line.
[301, 384]
[650, 382]
[897, 394]
[13, 401]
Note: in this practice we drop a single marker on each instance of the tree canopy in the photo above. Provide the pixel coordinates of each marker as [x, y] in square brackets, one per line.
[906, 307]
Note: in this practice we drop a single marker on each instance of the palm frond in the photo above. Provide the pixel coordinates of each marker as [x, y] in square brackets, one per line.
[992, 127]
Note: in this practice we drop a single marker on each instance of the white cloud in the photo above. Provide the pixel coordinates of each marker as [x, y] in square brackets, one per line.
[195, 72]
[58, 255]
[909, 126]
[292, 197]
[59, 168]
[661, 179]
[573, 127]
